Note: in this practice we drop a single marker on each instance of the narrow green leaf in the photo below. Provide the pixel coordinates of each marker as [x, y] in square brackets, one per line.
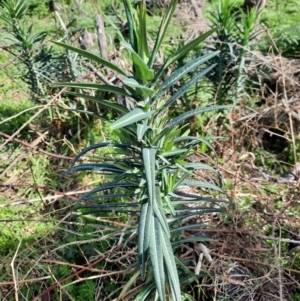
[177, 75]
[144, 93]
[149, 168]
[131, 24]
[105, 103]
[156, 256]
[187, 240]
[105, 88]
[163, 159]
[202, 184]
[159, 212]
[95, 211]
[194, 141]
[133, 116]
[141, 130]
[169, 203]
[199, 166]
[109, 186]
[186, 86]
[170, 266]
[190, 138]
[184, 198]
[113, 205]
[104, 167]
[95, 58]
[179, 181]
[112, 195]
[91, 113]
[162, 30]
[181, 52]
[192, 113]
[143, 236]
[131, 82]
[183, 169]
[174, 153]
[188, 47]
[143, 47]
[129, 284]
[184, 267]
[146, 290]
[141, 70]
[140, 90]
[197, 211]
[123, 147]
[196, 226]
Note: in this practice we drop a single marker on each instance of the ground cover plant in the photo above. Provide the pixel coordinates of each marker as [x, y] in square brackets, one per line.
[77, 231]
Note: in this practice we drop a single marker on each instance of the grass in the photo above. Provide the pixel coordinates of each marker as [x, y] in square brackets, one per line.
[16, 226]
[11, 87]
[31, 231]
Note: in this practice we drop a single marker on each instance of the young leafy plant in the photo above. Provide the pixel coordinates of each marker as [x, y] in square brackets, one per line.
[232, 39]
[147, 162]
[38, 64]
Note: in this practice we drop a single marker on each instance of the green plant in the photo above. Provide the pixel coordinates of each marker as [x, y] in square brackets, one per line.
[38, 65]
[288, 40]
[147, 162]
[283, 23]
[232, 39]
[9, 109]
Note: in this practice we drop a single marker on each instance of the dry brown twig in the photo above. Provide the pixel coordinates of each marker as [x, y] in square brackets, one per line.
[101, 37]
[33, 145]
[49, 198]
[77, 273]
[45, 107]
[23, 281]
[30, 145]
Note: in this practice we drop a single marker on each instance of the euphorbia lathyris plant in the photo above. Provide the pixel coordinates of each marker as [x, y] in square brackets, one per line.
[149, 159]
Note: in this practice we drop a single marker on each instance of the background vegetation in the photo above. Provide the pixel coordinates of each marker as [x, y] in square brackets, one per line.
[51, 250]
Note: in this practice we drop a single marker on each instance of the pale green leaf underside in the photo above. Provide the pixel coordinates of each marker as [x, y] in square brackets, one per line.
[140, 90]
[156, 256]
[170, 267]
[93, 57]
[149, 168]
[141, 130]
[143, 236]
[130, 118]
[186, 86]
[162, 30]
[177, 75]
[202, 184]
[105, 88]
[106, 103]
[190, 114]
[182, 51]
